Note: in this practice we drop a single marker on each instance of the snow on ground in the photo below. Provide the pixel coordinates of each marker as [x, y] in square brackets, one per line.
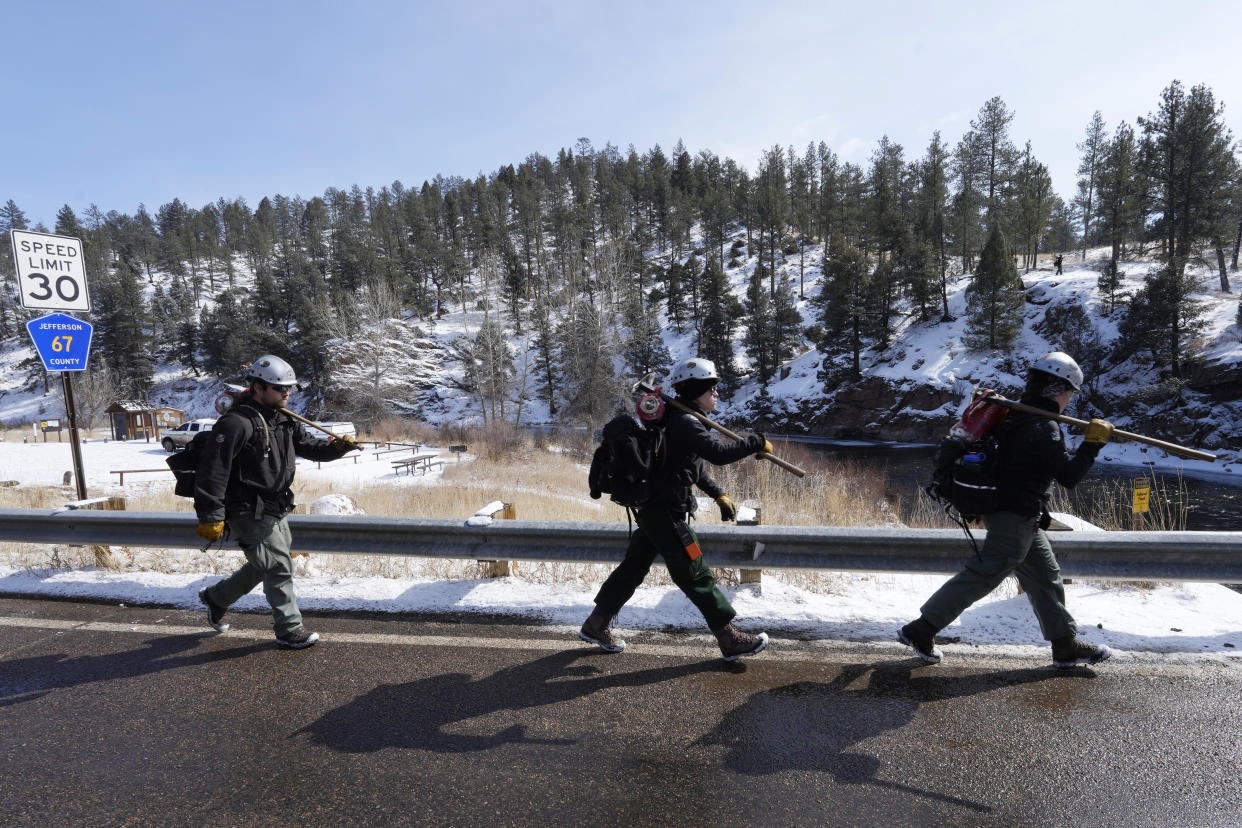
[1201, 619]
[36, 463]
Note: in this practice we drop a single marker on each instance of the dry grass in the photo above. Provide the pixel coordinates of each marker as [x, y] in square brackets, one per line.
[1109, 505]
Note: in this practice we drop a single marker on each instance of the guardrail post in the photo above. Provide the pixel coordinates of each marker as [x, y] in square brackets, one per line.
[755, 518]
[504, 511]
[113, 503]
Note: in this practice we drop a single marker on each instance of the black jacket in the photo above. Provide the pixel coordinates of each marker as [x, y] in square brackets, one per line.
[689, 445]
[1033, 454]
[245, 466]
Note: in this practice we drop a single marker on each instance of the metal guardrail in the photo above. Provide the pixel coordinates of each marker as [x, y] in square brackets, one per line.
[1170, 556]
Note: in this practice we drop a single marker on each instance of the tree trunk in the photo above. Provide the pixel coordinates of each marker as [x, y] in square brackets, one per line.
[1237, 242]
[944, 288]
[801, 268]
[1220, 263]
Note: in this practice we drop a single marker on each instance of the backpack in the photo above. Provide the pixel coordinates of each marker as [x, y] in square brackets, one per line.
[966, 472]
[625, 461]
[184, 464]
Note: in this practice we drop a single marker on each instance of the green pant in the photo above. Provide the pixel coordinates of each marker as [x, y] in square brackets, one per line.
[1015, 545]
[266, 543]
[657, 532]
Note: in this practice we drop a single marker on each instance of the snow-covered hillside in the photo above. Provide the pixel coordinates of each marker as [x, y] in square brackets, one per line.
[909, 391]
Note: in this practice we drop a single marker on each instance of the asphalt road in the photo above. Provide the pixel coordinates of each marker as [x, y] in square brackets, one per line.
[116, 715]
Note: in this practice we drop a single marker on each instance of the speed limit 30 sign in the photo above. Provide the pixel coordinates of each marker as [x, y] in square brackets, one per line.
[50, 271]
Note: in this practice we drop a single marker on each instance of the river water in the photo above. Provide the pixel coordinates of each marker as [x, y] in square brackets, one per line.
[1204, 503]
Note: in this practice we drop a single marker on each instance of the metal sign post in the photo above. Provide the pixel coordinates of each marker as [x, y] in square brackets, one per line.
[74, 442]
[64, 345]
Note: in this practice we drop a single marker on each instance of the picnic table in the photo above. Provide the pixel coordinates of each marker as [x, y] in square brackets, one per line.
[422, 462]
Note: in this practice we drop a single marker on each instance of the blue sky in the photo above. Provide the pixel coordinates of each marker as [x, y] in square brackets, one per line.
[125, 102]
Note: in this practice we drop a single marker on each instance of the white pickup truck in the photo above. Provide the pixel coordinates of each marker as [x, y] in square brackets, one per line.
[179, 437]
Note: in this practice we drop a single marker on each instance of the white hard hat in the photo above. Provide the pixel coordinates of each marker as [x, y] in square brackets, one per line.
[273, 370]
[1062, 366]
[695, 368]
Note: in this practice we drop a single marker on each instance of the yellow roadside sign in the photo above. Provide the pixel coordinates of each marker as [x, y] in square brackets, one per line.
[1142, 495]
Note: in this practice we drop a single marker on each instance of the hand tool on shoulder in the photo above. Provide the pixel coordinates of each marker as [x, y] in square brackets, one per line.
[647, 385]
[302, 419]
[1171, 448]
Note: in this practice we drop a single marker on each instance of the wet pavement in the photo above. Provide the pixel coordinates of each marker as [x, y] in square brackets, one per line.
[118, 715]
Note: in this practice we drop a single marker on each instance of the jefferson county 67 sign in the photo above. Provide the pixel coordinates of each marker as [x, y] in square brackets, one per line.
[50, 272]
[63, 343]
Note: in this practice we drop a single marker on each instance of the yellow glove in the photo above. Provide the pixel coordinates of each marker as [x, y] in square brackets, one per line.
[211, 532]
[767, 444]
[1098, 432]
[344, 445]
[727, 510]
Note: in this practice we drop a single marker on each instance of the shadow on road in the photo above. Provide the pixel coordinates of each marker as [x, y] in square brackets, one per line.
[26, 679]
[814, 725]
[417, 714]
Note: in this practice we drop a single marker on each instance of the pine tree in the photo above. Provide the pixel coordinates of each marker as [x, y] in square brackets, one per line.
[721, 312]
[1070, 329]
[786, 337]
[182, 324]
[802, 197]
[171, 219]
[759, 326]
[843, 311]
[931, 228]
[1094, 146]
[587, 343]
[12, 217]
[1117, 201]
[491, 366]
[994, 300]
[772, 208]
[968, 170]
[674, 296]
[1033, 186]
[67, 223]
[231, 335]
[544, 342]
[1161, 320]
[1109, 284]
[644, 350]
[122, 325]
[991, 127]
[1191, 162]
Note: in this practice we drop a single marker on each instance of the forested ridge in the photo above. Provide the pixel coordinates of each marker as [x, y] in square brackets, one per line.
[572, 265]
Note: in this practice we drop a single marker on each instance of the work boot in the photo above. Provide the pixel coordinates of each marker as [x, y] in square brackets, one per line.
[597, 629]
[921, 635]
[298, 639]
[734, 643]
[1070, 652]
[215, 612]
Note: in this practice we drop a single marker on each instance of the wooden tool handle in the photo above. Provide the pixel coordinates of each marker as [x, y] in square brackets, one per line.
[302, 419]
[1171, 448]
[763, 455]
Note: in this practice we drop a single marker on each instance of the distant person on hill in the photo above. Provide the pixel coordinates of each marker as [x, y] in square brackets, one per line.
[662, 527]
[1057, 262]
[1032, 454]
[243, 482]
